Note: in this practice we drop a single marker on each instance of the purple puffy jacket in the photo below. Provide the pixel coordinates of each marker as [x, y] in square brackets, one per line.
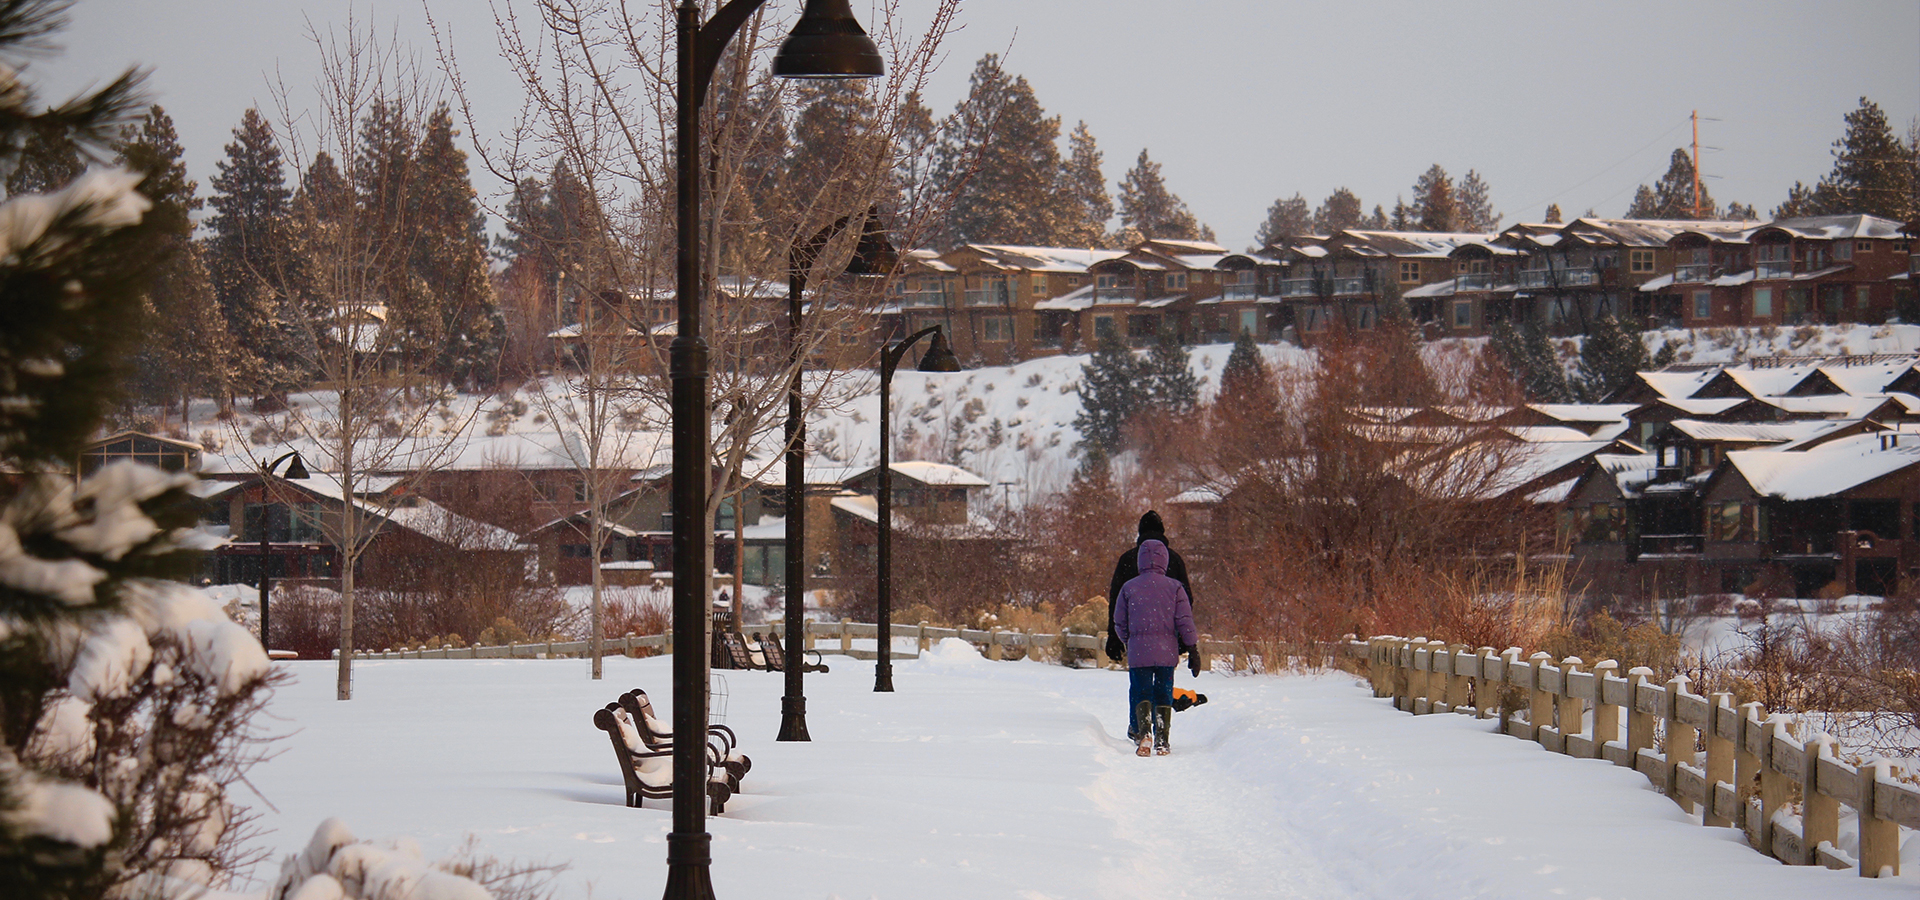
[1154, 615]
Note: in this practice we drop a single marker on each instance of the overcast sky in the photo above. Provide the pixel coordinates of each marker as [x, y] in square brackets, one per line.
[1240, 101]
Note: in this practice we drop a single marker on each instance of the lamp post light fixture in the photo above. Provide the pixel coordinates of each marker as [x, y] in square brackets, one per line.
[825, 43]
[295, 471]
[875, 255]
[937, 359]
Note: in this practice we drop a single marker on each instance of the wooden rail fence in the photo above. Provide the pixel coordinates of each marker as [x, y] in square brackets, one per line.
[838, 637]
[1752, 768]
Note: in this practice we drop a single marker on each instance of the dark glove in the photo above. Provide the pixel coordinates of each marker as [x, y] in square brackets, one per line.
[1193, 660]
[1115, 649]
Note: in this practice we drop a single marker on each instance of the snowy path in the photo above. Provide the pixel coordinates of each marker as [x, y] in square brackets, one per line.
[981, 779]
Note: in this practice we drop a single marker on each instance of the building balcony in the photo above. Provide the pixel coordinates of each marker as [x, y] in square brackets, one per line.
[989, 297]
[1692, 273]
[923, 299]
[1557, 278]
[1116, 295]
[1779, 268]
[1671, 544]
[1473, 281]
[1239, 292]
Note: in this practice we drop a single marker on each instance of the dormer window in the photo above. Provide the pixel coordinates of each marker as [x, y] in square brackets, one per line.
[1176, 281]
[1640, 262]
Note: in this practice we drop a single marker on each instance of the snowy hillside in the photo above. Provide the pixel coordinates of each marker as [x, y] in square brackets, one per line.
[986, 779]
[1013, 425]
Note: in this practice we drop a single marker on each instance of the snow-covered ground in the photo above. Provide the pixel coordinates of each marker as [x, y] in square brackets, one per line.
[1000, 779]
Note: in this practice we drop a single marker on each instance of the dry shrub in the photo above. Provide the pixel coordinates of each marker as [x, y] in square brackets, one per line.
[1602, 637]
[642, 611]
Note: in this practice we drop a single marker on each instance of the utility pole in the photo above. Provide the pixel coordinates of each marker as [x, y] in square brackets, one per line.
[1698, 213]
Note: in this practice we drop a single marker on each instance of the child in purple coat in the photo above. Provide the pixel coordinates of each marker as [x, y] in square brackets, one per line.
[1154, 616]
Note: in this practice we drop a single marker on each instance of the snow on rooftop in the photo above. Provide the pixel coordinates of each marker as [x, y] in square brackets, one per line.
[1827, 469]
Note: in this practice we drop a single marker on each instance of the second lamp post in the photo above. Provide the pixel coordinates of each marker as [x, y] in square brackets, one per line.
[938, 359]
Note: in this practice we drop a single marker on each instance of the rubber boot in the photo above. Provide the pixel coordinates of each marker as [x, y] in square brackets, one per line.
[1162, 719]
[1143, 726]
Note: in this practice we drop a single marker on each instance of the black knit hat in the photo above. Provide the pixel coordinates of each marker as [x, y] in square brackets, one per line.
[1151, 527]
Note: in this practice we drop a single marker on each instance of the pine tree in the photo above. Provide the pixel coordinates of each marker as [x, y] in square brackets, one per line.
[1553, 216]
[1873, 170]
[1529, 357]
[186, 345]
[1402, 218]
[829, 141]
[1339, 212]
[1671, 197]
[248, 253]
[998, 161]
[449, 258]
[913, 147]
[1475, 204]
[1110, 391]
[1167, 380]
[1147, 206]
[1288, 217]
[1610, 357]
[92, 776]
[1245, 379]
[1083, 184]
[1434, 205]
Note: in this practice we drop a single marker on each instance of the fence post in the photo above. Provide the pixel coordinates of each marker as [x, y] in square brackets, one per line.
[920, 631]
[1879, 836]
[1720, 754]
[1567, 721]
[846, 637]
[1379, 667]
[1481, 688]
[1639, 724]
[994, 650]
[1508, 659]
[1680, 741]
[1820, 818]
[1606, 716]
[1422, 678]
[1402, 653]
[1746, 770]
[1206, 656]
[1456, 682]
[1540, 706]
[1773, 784]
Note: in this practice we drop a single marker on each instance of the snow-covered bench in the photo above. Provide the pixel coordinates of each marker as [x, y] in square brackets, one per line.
[649, 773]
[776, 656]
[654, 735]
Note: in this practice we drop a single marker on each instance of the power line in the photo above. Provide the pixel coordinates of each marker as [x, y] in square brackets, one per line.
[1622, 161]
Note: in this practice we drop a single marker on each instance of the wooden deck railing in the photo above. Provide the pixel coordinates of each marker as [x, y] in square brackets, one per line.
[1752, 767]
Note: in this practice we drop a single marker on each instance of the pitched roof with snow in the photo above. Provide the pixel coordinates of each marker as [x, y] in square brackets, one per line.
[1826, 470]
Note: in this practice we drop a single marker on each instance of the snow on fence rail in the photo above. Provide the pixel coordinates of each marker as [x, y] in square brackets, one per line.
[838, 637]
[1578, 711]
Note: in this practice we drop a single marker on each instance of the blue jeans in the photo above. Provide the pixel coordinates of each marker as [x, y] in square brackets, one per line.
[1150, 683]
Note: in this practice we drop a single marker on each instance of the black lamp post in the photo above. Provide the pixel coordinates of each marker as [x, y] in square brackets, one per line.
[294, 471]
[938, 359]
[874, 256]
[825, 43]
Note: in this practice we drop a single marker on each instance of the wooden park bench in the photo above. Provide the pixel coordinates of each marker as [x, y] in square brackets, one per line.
[649, 773]
[730, 651]
[655, 736]
[776, 655]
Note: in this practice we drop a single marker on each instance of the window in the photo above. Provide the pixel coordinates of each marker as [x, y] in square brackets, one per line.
[1176, 281]
[1843, 250]
[306, 525]
[1409, 271]
[1106, 282]
[1039, 285]
[1364, 316]
[1250, 322]
[1143, 326]
[1463, 313]
[1863, 246]
[723, 519]
[1640, 262]
[1763, 303]
[1863, 297]
[1703, 304]
[1102, 325]
[997, 328]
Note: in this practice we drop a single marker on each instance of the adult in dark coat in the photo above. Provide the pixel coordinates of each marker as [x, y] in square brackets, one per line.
[1128, 567]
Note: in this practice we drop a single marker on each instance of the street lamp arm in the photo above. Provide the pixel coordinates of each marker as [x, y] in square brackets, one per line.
[891, 356]
[712, 41]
